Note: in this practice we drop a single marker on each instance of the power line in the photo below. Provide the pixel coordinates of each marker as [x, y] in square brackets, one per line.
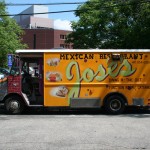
[15, 4]
[40, 13]
[67, 11]
[62, 3]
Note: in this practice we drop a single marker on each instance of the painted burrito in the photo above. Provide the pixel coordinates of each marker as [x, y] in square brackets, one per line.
[62, 91]
[53, 61]
[53, 76]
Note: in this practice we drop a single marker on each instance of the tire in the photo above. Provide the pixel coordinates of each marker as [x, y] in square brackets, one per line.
[14, 105]
[114, 104]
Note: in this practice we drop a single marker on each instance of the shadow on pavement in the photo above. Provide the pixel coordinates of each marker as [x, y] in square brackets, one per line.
[130, 112]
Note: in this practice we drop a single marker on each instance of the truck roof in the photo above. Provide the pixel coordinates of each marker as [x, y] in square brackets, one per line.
[79, 50]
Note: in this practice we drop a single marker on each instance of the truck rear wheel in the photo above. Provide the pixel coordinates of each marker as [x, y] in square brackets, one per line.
[114, 104]
[14, 105]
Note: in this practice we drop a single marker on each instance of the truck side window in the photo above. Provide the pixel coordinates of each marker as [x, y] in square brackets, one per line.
[14, 69]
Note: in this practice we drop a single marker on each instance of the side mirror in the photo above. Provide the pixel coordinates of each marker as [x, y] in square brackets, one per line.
[14, 72]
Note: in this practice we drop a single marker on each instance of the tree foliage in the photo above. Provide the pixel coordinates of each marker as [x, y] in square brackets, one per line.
[10, 35]
[112, 24]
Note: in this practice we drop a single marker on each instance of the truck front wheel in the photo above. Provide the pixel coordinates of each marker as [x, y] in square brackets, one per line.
[14, 105]
[114, 104]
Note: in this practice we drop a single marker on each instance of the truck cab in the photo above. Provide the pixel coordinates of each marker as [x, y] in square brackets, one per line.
[24, 85]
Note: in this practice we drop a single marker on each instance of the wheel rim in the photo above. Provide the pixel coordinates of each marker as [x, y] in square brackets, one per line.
[13, 105]
[115, 105]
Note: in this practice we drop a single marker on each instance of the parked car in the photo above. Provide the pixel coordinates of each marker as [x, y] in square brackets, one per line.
[1, 76]
[4, 71]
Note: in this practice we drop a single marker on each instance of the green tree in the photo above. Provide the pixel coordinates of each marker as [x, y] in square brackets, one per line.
[10, 35]
[112, 24]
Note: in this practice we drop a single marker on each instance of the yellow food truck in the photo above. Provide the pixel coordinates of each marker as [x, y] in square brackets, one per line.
[78, 78]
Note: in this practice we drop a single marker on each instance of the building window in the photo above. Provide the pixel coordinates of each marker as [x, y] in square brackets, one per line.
[67, 46]
[63, 37]
[62, 45]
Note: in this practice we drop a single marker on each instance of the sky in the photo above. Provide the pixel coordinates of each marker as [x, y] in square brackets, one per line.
[61, 20]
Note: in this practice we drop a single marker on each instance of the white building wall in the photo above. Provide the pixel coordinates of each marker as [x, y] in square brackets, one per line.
[40, 9]
[21, 17]
[35, 20]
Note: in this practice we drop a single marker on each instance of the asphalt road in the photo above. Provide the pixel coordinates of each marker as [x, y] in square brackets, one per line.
[75, 130]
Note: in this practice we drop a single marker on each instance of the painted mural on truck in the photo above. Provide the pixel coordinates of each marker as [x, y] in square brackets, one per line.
[80, 74]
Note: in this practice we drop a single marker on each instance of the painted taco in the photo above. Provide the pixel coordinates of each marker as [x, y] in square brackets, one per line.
[53, 61]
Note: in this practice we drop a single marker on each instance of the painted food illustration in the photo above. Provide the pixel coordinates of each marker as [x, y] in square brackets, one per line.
[53, 76]
[53, 61]
[60, 91]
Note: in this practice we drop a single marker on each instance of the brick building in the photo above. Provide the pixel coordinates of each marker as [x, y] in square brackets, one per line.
[45, 38]
[39, 29]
